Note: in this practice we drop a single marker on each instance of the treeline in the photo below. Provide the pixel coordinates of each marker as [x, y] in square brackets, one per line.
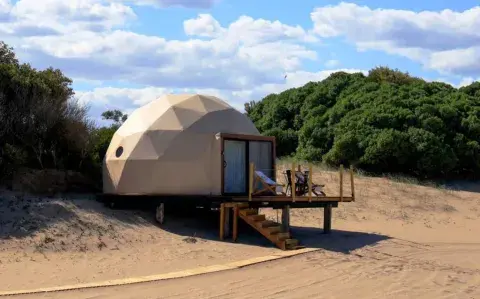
[42, 125]
[383, 122]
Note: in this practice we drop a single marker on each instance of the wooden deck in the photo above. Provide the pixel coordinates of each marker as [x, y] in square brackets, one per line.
[284, 198]
[246, 207]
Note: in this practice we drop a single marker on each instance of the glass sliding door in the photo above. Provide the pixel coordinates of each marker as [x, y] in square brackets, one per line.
[235, 167]
[260, 154]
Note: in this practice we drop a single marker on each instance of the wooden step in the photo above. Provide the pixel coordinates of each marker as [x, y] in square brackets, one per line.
[269, 229]
[268, 223]
[291, 243]
[274, 229]
[282, 236]
[242, 205]
[257, 218]
[249, 212]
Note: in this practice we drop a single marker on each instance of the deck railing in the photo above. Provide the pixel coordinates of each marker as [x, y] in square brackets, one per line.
[293, 187]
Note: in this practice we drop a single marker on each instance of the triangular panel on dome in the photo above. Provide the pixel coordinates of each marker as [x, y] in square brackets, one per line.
[187, 117]
[189, 146]
[180, 178]
[167, 121]
[138, 179]
[144, 149]
[143, 118]
[175, 99]
[213, 104]
[126, 146]
[116, 140]
[193, 103]
[114, 169]
[161, 139]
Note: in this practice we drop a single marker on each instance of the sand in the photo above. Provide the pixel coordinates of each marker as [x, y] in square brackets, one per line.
[397, 240]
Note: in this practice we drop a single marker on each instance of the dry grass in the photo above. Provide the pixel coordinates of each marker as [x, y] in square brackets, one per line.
[393, 197]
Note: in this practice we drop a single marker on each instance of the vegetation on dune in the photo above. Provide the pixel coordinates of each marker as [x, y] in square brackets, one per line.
[42, 125]
[383, 122]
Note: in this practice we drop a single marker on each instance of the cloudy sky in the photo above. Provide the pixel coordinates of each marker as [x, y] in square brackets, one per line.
[125, 53]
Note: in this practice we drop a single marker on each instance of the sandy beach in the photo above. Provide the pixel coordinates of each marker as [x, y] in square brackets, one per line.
[396, 240]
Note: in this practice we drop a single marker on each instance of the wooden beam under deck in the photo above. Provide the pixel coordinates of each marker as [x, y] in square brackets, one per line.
[280, 198]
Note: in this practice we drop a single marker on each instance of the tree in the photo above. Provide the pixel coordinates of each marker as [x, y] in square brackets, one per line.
[7, 55]
[387, 121]
[117, 116]
[43, 126]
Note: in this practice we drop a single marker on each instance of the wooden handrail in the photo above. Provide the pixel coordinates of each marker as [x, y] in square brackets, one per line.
[250, 181]
[352, 183]
[341, 182]
[310, 174]
[294, 187]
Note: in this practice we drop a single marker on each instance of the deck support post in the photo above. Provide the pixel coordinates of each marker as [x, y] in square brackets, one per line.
[310, 174]
[250, 180]
[327, 219]
[293, 187]
[341, 182]
[235, 224]
[227, 229]
[160, 213]
[286, 219]
[352, 183]
[222, 221]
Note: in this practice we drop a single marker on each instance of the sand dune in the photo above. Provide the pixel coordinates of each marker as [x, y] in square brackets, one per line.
[397, 240]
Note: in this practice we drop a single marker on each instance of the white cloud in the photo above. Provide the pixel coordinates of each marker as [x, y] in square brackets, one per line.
[204, 25]
[436, 39]
[246, 30]
[467, 81]
[81, 35]
[5, 6]
[55, 17]
[467, 61]
[128, 96]
[127, 99]
[89, 40]
[177, 3]
[246, 53]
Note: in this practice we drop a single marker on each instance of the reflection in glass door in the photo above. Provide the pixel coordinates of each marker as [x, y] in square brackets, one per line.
[235, 176]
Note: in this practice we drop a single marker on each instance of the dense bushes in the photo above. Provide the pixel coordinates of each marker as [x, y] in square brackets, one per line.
[387, 121]
[42, 126]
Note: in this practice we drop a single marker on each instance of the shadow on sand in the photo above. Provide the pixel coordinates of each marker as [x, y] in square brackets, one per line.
[23, 216]
[467, 186]
[205, 225]
[337, 241]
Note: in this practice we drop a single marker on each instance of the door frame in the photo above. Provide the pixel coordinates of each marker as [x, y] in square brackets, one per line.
[247, 139]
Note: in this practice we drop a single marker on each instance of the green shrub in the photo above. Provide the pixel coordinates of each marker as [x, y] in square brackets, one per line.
[386, 121]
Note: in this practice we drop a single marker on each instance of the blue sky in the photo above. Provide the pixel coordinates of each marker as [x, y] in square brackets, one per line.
[124, 53]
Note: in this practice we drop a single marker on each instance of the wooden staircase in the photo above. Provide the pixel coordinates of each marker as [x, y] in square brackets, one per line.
[269, 229]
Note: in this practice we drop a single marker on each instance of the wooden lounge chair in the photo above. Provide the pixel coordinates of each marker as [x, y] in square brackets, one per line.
[268, 186]
[301, 184]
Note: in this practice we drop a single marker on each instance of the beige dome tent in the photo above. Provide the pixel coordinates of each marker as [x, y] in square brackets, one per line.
[185, 145]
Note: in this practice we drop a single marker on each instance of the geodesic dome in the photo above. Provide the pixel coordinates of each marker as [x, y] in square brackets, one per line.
[169, 146]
